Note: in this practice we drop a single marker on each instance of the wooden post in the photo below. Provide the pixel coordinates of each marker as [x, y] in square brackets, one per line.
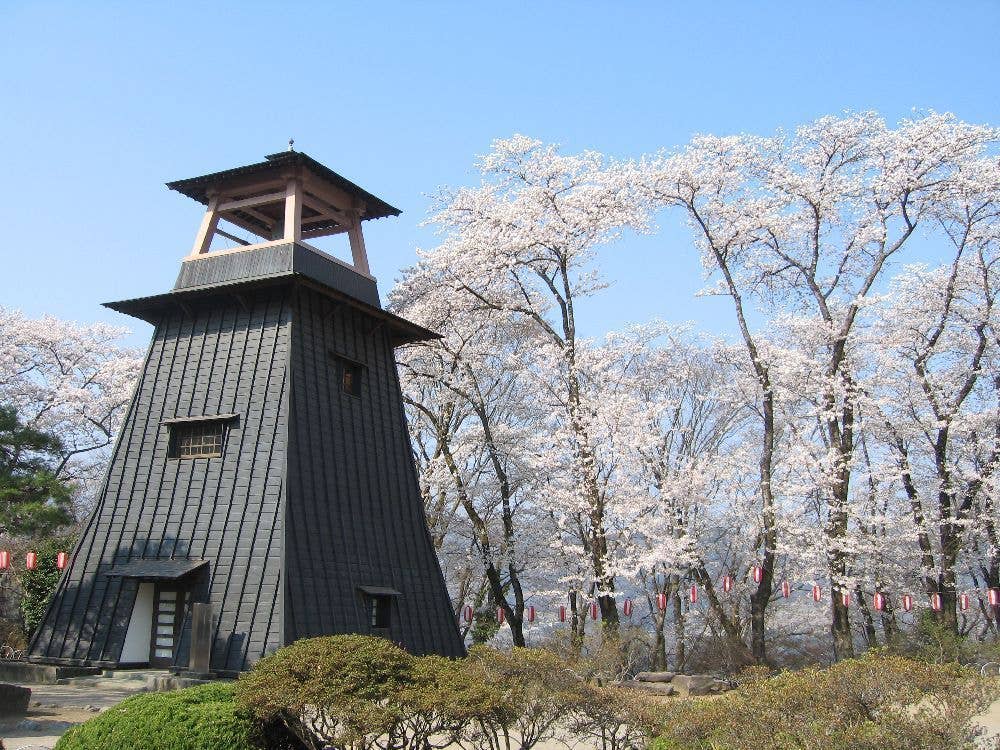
[293, 211]
[358, 252]
[209, 223]
[201, 638]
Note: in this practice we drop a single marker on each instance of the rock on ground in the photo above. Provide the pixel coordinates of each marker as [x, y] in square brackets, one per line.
[655, 676]
[14, 699]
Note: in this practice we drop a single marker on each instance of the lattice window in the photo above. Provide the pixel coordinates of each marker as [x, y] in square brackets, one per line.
[379, 609]
[202, 439]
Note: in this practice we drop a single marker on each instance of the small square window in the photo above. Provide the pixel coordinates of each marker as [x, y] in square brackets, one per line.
[350, 374]
[379, 608]
[201, 439]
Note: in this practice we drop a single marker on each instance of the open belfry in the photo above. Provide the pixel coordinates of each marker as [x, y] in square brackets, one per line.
[263, 487]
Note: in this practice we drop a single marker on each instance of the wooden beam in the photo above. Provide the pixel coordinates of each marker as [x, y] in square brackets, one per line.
[243, 224]
[268, 221]
[308, 234]
[232, 237]
[317, 204]
[333, 195]
[258, 200]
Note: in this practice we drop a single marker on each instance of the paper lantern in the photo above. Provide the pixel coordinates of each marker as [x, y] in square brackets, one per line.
[31, 560]
[661, 602]
[878, 601]
[4, 559]
[936, 602]
[994, 597]
[907, 602]
[694, 594]
[786, 589]
[963, 602]
[531, 613]
[593, 610]
[845, 598]
[817, 593]
[468, 613]
[61, 559]
[727, 583]
[562, 613]
[500, 615]
[758, 574]
[627, 608]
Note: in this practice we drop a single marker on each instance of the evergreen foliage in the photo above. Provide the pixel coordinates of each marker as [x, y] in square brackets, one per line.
[198, 718]
[32, 499]
[38, 585]
[879, 702]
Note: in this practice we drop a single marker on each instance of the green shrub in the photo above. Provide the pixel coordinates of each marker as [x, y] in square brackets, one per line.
[613, 719]
[360, 693]
[881, 702]
[933, 641]
[532, 690]
[198, 718]
[343, 690]
[38, 585]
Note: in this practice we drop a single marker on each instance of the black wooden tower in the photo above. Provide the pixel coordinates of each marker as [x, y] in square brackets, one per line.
[264, 467]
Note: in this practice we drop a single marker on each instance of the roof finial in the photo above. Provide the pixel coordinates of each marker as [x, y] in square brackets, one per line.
[291, 144]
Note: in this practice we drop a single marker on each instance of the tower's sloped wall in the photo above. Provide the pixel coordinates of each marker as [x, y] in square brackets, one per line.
[230, 358]
[355, 517]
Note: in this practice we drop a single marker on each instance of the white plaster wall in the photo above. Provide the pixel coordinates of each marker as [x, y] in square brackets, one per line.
[136, 648]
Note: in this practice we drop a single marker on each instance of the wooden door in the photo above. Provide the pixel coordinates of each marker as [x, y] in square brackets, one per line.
[167, 615]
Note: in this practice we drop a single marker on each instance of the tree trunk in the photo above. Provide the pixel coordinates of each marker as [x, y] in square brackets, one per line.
[680, 652]
[871, 637]
[577, 623]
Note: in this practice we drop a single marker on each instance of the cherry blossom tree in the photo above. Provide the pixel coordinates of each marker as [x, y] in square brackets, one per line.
[810, 223]
[522, 245]
[938, 410]
[72, 381]
[470, 401]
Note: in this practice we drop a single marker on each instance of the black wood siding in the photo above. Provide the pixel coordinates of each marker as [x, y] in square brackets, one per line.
[314, 496]
[228, 510]
[354, 516]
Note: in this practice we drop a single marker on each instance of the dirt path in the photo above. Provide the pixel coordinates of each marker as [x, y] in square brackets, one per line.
[55, 708]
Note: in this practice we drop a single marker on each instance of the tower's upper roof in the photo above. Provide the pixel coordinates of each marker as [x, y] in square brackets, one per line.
[199, 188]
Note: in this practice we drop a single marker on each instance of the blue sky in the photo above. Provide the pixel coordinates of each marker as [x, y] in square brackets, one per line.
[101, 103]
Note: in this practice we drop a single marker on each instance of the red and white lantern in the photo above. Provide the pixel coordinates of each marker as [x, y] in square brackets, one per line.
[786, 589]
[936, 602]
[817, 592]
[727, 583]
[4, 559]
[468, 614]
[562, 613]
[627, 608]
[693, 596]
[661, 602]
[500, 615]
[31, 560]
[758, 574]
[878, 601]
[963, 602]
[531, 613]
[61, 559]
[593, 610]
[845, 598]
[907, 602]
[994, 595]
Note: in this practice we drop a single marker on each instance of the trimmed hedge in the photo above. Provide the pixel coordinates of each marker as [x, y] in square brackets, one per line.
[198, 718]
[361, 693]
[878, 702]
